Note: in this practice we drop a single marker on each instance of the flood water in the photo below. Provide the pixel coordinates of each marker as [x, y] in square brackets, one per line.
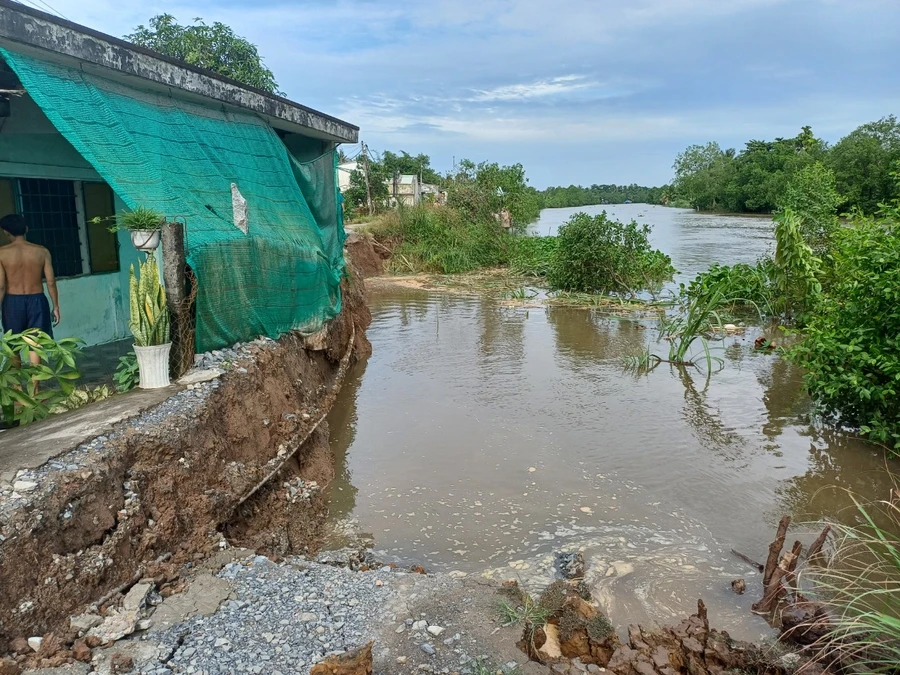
[484, 438]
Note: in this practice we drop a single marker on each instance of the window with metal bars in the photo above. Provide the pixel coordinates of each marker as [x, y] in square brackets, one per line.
[51, 211]
[59, 215]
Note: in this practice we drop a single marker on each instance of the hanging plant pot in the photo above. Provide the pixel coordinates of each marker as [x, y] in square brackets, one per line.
[145, 240]
[153, 365]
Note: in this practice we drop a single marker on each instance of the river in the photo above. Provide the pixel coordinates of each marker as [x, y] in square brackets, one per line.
[483, 438]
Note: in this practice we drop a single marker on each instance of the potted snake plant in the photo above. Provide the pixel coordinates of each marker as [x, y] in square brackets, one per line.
[150, 325]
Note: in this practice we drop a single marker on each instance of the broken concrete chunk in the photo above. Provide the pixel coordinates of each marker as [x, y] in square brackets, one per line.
[196, 376]
[84, 622]
[24, 486]
[35, 643]
[136, 597]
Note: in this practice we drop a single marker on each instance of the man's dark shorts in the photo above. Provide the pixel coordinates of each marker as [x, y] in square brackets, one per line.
[21, 312]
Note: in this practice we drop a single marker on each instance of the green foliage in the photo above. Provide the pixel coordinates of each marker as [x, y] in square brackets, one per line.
[689, 326]
[797, 268]
[851, 349]
[702, 173]
[740, 286]
[356, 195]
[576, 195]
[532, 256]
[599, 255]
[860, 586]
[140, 218]
[127, 375]
[863, 161]
[214, 47]
[404, 163]
[80, 397]
[793, 172]
[28, 391]
[149, 321]
[482, 190]
[441, 240]
[812, 195]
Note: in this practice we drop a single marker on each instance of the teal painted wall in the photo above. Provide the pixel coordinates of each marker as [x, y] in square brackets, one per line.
[94, 307]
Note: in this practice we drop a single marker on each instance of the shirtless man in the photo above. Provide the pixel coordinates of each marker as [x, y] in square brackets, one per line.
[23, 269]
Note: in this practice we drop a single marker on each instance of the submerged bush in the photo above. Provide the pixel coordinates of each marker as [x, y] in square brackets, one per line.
[598, 255]
[441, 240]
[851, 351]
[740, 285]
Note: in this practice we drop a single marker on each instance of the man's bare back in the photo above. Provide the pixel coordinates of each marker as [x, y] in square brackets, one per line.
[24, 266]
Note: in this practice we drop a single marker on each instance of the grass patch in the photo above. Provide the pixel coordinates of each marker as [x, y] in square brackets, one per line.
[861, 587]
[529, 613]
[440, 240]
[532, 256]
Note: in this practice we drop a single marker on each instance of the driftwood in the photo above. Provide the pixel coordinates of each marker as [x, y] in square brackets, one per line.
[747, 559]
[817, 545]
[774, 590]
[775, 551]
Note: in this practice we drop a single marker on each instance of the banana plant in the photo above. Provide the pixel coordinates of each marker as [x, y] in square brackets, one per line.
[149, 321]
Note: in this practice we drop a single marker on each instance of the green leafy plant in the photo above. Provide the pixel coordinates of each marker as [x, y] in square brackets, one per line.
[797, 268]
[149, 312]
[743, 287]
[691, 325]
[81, 396]
[598, 255]
[850, 348]
[127, 375]
[28, 391]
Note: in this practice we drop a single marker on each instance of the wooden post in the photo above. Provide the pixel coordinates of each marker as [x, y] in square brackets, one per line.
[174, 265]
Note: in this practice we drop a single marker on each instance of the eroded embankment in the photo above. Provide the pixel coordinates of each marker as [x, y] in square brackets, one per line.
[161, 489]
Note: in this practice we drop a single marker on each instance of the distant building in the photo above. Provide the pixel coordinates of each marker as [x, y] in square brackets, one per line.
[344, 171]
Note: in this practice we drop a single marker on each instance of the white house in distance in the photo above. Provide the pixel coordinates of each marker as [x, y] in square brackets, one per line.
[406, 189]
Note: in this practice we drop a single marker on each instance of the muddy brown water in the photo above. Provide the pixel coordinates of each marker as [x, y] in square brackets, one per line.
[482, 439]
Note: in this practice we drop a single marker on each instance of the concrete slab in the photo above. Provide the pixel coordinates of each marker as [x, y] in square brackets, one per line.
[202, 597]
[30, 446]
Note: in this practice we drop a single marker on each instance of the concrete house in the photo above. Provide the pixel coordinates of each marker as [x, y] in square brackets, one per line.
[91, 125]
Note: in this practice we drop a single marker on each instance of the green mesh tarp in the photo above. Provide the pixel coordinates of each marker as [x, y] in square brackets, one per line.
[180, 159]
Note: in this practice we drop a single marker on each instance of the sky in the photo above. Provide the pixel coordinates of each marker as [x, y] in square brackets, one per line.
[578, 91]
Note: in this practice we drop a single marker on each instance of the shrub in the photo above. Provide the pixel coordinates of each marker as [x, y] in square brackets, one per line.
[532, 256]
[851, 351]
[599, 255]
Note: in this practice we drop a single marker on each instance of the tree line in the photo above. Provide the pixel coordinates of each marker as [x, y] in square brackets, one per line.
[577, 195]
[755, 179]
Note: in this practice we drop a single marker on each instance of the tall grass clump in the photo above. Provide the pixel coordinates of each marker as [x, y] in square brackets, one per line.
[861, 589]
[440, 240]
[532, 256]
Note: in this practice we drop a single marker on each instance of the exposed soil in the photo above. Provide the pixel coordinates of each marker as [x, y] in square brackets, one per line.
[159, 491]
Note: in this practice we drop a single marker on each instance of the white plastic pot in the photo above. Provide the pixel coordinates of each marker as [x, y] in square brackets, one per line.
[145, 240]
[153, 365]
